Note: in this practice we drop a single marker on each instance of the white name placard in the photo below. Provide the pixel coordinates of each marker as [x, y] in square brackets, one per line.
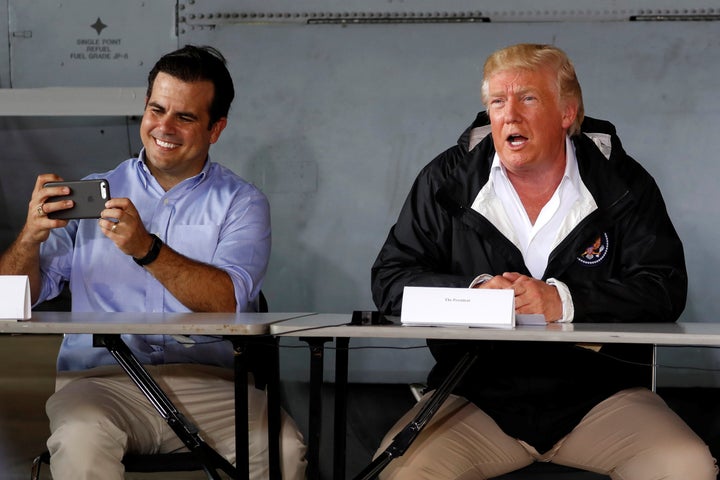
[14, 297]
[458, 306]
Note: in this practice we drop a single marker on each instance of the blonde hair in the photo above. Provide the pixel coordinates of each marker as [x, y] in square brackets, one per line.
[529, 56]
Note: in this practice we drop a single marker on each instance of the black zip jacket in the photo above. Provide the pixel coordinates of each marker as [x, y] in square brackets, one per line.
[623, 263]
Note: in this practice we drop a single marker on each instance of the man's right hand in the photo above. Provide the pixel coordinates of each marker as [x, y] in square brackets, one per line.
[38, 225]
[23, 256]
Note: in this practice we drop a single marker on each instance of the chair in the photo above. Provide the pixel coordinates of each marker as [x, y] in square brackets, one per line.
[258, 353]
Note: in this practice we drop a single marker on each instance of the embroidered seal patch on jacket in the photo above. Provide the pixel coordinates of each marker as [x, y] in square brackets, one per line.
[596, 252]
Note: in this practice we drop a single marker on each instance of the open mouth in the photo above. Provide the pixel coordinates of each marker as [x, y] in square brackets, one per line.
[516, 140]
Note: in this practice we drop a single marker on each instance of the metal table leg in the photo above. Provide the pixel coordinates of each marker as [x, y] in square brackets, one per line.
[315, 415]
[240, 345]
[273, 399]
[241, 405]
[341, 396]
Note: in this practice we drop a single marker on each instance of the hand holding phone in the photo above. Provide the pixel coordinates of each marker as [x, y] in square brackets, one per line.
[88, 196]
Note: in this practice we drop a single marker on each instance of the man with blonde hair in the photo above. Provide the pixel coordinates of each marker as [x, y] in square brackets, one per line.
[541, 200]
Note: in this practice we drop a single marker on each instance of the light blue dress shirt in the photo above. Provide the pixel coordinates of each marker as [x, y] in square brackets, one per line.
[214, 217]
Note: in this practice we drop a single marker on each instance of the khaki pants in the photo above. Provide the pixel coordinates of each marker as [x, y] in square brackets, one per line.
[97, 415]
[632, 435]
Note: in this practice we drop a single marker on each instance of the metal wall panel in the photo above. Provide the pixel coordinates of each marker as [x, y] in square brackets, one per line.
[88, 42]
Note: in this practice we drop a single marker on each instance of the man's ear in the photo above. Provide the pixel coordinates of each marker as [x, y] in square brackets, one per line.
[570, 110]
[217, 128]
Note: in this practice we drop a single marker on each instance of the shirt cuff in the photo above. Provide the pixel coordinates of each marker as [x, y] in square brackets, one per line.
[480, 279]
[567, 304]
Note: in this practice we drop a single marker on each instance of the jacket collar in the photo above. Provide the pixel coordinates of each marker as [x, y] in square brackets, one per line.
[598, 149]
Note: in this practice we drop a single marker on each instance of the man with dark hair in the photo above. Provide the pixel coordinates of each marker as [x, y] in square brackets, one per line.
[182, 233]
[192, 64]
[540, 200]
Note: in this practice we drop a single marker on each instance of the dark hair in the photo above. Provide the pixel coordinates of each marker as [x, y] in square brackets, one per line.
[192, 64]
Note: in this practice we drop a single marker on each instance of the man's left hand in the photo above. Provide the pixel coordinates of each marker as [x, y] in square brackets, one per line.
[535, 296]
[122, 224]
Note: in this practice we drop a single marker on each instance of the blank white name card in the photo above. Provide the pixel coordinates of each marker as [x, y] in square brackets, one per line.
[458, 306]
[14, 297]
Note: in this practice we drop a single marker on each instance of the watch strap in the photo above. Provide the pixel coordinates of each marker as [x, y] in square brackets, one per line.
[152, 253]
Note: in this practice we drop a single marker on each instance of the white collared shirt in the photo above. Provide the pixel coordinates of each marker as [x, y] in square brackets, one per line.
[499, 202]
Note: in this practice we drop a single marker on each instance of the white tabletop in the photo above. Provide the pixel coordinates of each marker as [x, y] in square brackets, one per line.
[338, 325]
[246, 323]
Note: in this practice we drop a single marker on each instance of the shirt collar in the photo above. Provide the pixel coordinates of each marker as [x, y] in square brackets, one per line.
[188, 184]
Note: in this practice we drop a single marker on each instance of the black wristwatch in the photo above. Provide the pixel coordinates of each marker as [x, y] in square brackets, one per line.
[152, 253]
